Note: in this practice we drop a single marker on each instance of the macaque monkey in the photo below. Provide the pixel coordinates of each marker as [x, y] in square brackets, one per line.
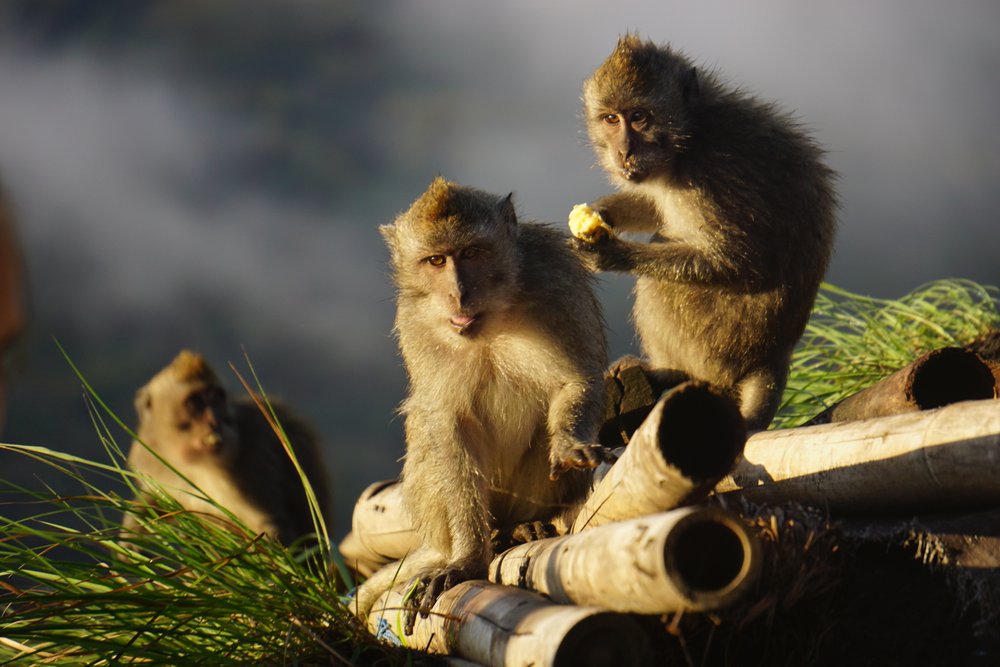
[227, 450]
[740, 208]
[503, 340]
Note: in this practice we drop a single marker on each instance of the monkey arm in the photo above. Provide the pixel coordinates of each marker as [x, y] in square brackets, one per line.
[672, 261]
[574, 407]
[627, 212]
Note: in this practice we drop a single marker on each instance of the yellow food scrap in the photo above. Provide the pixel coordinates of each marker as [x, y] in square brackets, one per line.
[587, 224]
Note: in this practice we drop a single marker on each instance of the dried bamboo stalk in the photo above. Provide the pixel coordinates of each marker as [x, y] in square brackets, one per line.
[940, 377]
[690, 439]
[930, 460]
[381, 529]
[690, 558]
[503, 626]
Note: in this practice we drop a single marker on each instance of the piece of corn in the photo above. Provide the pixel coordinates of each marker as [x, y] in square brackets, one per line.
[587, 224]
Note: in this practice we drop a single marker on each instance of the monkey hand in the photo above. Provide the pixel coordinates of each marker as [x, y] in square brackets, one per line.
[570, 456]
[587, 224]
[610, 253]
[426, 589]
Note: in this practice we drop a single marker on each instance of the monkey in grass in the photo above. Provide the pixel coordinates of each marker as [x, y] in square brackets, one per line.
[226, 448]
[503, 340]
[741, 209]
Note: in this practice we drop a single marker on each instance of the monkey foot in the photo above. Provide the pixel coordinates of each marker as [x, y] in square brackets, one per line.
[426, 591]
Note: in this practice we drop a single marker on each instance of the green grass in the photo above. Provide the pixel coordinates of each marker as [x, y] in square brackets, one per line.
[852, 341]
[192, 591]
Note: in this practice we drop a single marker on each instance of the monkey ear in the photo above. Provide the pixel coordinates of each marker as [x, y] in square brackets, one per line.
[143, 401]
[689, 85]
[506, 210]
[388, 233]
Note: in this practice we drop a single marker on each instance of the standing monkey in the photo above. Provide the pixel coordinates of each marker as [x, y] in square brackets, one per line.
[741, 211]
[503, 341]
[227, 449]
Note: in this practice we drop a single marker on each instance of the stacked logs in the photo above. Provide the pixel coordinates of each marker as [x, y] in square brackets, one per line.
[927, 436]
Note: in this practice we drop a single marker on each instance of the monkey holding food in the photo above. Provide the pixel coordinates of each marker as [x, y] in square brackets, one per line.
[741, 209]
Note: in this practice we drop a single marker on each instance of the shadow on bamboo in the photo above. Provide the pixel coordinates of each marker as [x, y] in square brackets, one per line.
[690, 558]
[940, 377]
[502, 626]
[933, 460]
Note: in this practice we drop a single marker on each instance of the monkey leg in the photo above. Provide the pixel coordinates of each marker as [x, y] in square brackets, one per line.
[760, 396]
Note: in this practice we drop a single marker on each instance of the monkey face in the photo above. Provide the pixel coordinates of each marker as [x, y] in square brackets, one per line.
[627, 143]
[185, 420]
[637, 105]
[455, 258]
[467, 286]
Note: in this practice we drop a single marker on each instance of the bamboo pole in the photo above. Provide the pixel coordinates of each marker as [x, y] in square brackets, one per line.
[940, 377]
[690, 439]
[381, 529]
[930, 460]
[506, 627]
[689, 558]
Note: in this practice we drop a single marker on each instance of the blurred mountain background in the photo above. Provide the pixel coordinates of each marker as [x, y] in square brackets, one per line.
[211, 174]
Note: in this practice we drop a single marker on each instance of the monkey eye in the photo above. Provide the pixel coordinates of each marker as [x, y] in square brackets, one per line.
[470, 252]
[637, 117]
[436, 260]
[196, 403]
[611, 118]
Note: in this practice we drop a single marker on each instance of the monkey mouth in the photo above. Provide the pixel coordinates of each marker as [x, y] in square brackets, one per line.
[465, 324]
[631, 174]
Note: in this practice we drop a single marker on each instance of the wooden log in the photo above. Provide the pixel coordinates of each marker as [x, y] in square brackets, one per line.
[630, 392]
[940, 377]
[381, 529]
[689, 558]
[503, 626]
[930, 460]
[689, 441]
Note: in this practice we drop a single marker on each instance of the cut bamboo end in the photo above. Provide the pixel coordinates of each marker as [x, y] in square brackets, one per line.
[687, 443]
[939, 378]
[690, 558]
[381, 529]
[503, 626]
[711, 558]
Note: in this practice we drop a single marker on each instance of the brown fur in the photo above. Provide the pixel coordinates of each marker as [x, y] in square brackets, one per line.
[225, 448]
[741, 210]
[503, 341]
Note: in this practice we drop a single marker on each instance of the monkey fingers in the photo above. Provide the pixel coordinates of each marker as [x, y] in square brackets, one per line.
[579, 457]
[530, 531]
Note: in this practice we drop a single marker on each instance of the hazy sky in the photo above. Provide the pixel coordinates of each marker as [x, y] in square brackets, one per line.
[101, 158]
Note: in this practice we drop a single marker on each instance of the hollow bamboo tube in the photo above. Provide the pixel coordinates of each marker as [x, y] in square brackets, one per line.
[381, 529]
[929, 460]
[503, 626]
[690, 439]
[940, 377]
[690, 558]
